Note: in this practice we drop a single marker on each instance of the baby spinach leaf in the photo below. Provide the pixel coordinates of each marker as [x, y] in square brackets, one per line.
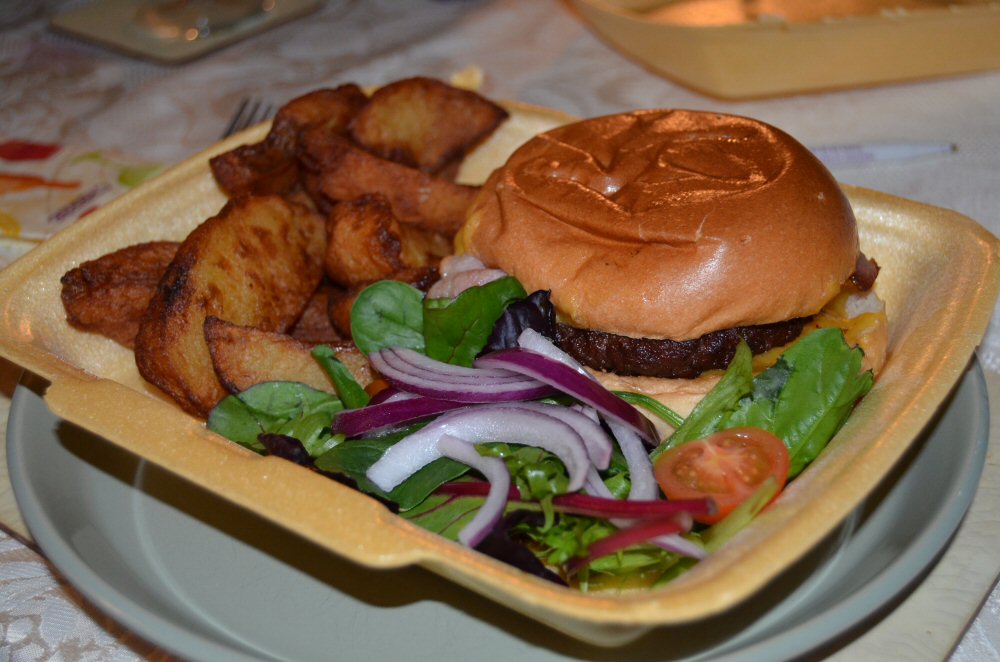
[824, 379]
[388, 314]
[456, 330]
[288, 408]
[351, 393]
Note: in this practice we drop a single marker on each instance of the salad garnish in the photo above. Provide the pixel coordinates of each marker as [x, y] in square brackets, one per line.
[491, 435]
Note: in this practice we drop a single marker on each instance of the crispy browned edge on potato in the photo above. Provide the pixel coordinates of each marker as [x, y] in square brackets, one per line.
[271, 166]
[366, 242]
[402, 237]
[345, 171]
[314, 325]
[424, 123]
[256, 263]
[108, 295]
[243, 356]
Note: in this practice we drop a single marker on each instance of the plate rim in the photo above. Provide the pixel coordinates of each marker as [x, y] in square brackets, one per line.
[917, 559]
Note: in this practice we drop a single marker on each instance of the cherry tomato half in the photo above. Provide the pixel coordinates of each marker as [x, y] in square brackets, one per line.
[727, 466]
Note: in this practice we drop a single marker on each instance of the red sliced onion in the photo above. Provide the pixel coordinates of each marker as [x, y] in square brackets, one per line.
[680, 545]
[479, 425]
[413, 372]
[450, 286]
[640, 469]
[596, 441]
[389, 413]
[534, 341]
[645, 531]
[569, 381]
[594, 486]
[414, 363]
[390, 394]
[495, 471]
[474, 488]
[584, 504]
[453, 264]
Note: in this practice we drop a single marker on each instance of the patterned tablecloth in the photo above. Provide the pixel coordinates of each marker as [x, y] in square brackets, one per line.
[116, 119]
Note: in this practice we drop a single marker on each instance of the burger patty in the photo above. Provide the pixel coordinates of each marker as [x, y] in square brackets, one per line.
[686, 359]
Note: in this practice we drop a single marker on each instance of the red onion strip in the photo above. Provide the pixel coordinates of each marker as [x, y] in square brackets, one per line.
[594, 438]
[640, 469]
[479, 425]
[583, 504]
[569, 381]
[534, 341]
[495, 471]
[416, 364]
[643, 532]
[680, 545]
[365, 420]
[416, 373]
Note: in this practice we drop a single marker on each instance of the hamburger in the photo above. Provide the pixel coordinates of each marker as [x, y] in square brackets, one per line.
[666, 237]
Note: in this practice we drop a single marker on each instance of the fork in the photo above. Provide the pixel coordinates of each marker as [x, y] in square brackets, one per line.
[250, 112]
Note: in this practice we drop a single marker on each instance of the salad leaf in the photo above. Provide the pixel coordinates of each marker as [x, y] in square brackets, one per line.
[288, 408]
[351, 393]
[388, 314]
[672, 418]
[709, 413]
[352, 459]
[809, 395]
[444, 515]
[804, 398]
[536, 472]
[535, 312]
[456, 330]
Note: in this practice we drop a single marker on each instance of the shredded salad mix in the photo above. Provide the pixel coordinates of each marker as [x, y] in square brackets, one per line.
[485, 432]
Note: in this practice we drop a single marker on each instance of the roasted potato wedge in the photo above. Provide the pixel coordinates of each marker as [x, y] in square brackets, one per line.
[313, 325]
[424, 123]
[109, 295]
[244, 356]
[256, 263]
[347, 172]
[271, 166]
[367, 243]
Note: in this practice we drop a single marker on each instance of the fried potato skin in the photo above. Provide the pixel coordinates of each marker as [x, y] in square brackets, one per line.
[256, 263]
[346, 172]
[243, 356]
[313, 325]
[271, 166]
[424, 123]
[109, 295]
[367, 243]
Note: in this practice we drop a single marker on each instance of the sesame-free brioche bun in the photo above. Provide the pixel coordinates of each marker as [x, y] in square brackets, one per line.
[667, 224]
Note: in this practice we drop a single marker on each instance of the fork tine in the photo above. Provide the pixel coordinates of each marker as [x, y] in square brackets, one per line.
[250, 112]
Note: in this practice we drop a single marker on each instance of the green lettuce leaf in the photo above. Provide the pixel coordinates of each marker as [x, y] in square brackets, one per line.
[456, 330]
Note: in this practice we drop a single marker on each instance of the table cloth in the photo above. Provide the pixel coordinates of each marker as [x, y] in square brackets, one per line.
[91, 100]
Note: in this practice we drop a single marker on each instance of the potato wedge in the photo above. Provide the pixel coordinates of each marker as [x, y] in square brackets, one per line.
[367, 243]
[313, 325]
[347, 172]
[109, 295]
[244, 356]
[256, 263]
[424, 123]
[271, 166]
